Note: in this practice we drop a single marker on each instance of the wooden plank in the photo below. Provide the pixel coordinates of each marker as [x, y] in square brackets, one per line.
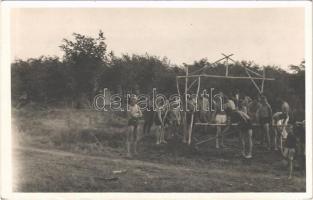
[215, 124]
[233, 124]
[228, 77]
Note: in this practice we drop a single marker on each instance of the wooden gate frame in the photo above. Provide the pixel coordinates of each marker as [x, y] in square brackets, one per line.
[198, 74]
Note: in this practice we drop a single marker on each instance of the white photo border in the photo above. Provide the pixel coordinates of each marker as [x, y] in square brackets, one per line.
[5, 100]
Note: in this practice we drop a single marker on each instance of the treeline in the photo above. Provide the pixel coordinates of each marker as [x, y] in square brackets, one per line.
[87, 67]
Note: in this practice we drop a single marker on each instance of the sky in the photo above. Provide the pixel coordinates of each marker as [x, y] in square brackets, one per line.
[266, 36]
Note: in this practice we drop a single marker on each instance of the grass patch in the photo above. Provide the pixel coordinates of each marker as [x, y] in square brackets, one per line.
[174, 167]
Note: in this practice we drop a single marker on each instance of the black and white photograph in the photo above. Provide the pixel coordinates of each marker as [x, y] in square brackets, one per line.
[158, 99]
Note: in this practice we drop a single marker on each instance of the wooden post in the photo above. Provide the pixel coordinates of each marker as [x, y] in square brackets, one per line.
[190, 128]
[192, 115]
[198, 89]
[177, 86]
[226, 67]
[183, 114]
[185, 126]
[262, 86]
[228, 77]
[256, 86]
[186, 87]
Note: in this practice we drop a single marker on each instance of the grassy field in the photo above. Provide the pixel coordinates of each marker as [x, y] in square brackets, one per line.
[59, 150]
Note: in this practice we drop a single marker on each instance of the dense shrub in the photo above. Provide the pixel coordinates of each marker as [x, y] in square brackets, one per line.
[87, 67]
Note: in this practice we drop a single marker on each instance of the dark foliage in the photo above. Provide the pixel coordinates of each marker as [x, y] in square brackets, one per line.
[87, 67]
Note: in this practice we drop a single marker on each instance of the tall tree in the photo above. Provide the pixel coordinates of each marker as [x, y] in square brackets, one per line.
[86, 58]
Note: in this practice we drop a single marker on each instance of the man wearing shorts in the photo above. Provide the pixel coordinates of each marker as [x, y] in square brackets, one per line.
[290, 150]
[159, 121]
[244, 124]
[279, 122]
[245, 129]
[220, 119]
[264, 116]
[204, 111]
[134, 114]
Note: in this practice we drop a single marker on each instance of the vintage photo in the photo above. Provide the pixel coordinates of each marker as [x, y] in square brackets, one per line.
[159, 100]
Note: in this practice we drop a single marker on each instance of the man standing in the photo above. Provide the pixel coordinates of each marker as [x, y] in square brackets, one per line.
[264, 117]
[134, 114]
[244, 124]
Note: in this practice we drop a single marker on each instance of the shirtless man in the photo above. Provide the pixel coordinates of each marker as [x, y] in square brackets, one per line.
[159, 121]
[173, 119]
[245, 128]
[220, 119]
[191, 107]
[252, 110]
[279, 122]
[148, 116]
[264, 116]
[134, 114]
[204, 111]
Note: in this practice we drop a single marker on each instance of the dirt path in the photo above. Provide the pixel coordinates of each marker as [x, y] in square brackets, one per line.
[129, 162]
[48, 170]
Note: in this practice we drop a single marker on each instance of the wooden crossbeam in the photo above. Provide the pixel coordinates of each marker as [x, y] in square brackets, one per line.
[226, 77]
[227, 56]
[198, 70]
[233, 124]
[254, 83]
[253, 72]
[215, 124]
[211, 138]
[192, 84]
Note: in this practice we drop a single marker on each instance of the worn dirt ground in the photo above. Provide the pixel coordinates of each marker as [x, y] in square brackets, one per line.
[51, 157]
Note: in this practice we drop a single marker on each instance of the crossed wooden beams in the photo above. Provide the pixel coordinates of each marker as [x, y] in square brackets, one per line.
[200, 73]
